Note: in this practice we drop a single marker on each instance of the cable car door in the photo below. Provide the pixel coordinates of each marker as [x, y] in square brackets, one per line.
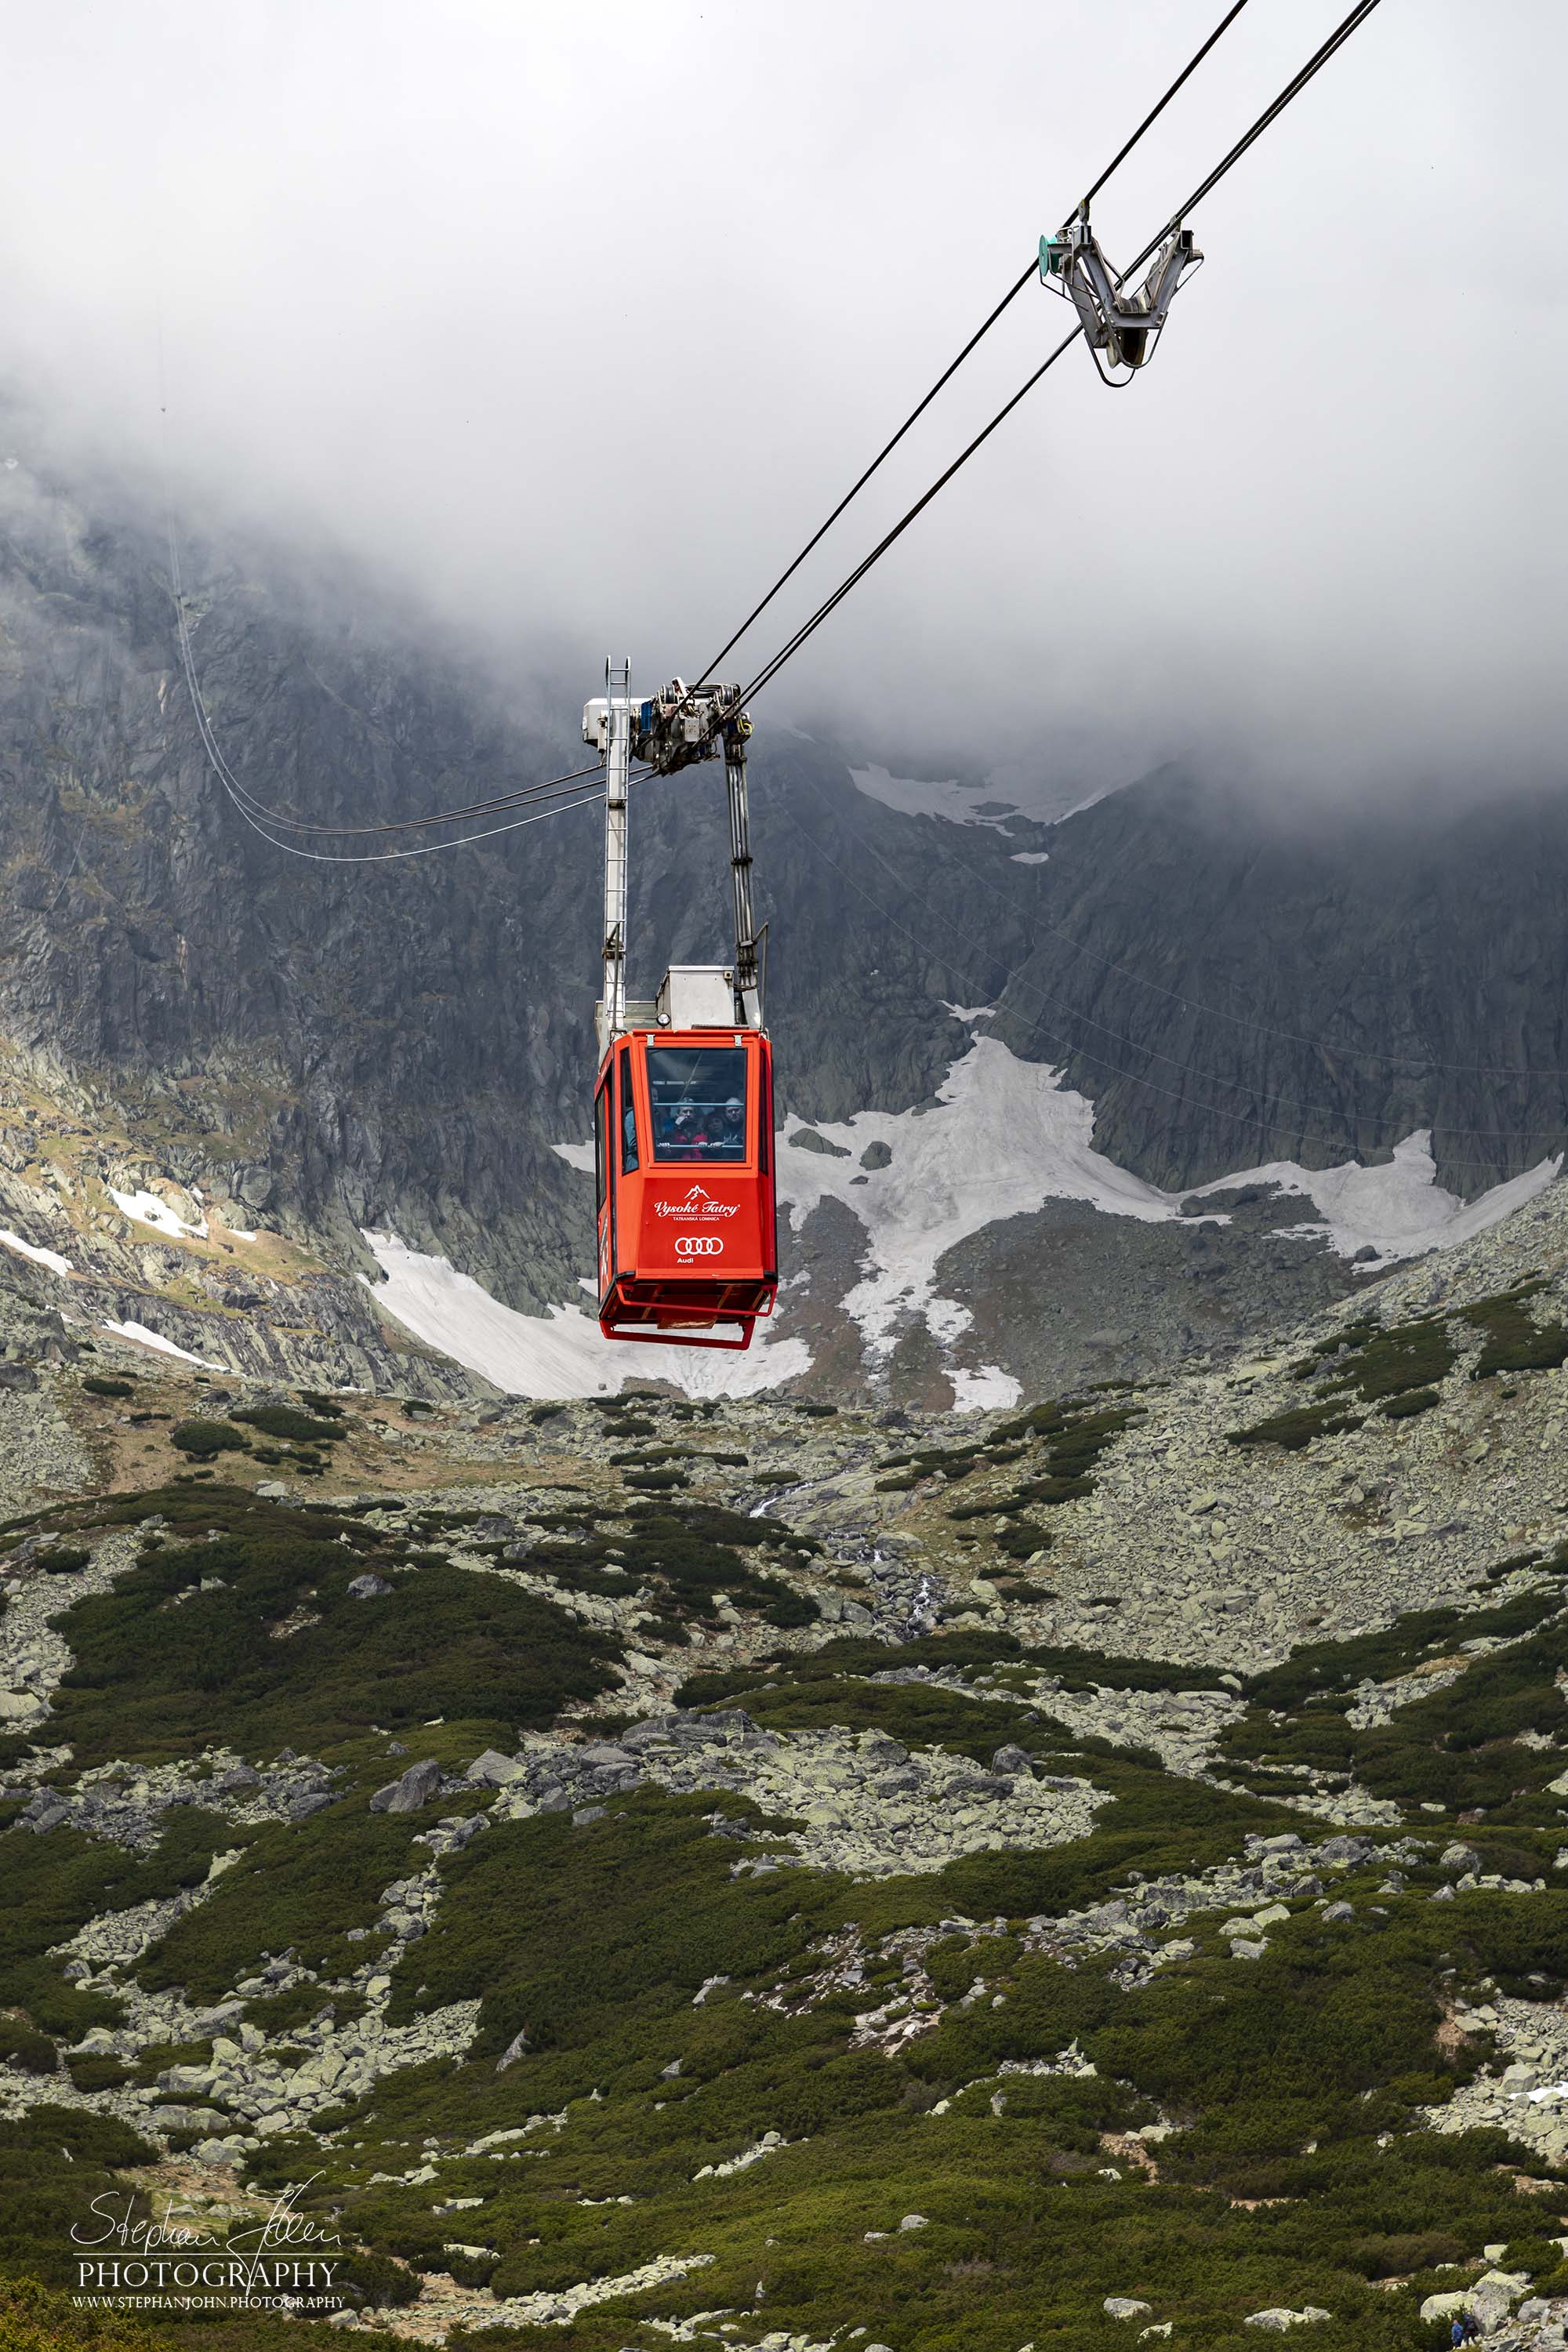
[604, 1165]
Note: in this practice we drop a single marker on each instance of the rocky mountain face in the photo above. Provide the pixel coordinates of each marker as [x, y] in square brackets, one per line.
[1234, 984]
[753, 1873]
[387, 1044]
[313, 1051]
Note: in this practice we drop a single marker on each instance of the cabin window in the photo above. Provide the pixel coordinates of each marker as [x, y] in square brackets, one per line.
[628, 1117]
[602, 1139]
[697, 1096]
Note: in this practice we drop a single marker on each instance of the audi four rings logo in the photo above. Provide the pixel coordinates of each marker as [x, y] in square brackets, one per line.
[699, 1244]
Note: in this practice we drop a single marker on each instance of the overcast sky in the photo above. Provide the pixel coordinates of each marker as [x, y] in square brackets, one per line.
[581, 319]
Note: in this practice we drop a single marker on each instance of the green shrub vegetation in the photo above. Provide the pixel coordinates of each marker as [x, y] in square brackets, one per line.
[99, 1384]
[54, 1886]
[150, 1680]
[1409, 1402]
[203, 1441]
[1513, 1340]
[1460, 1747]
[1381, 1363]
[1294, 1429]
[287, 1421]
[668, 2011]
[300, 1886]
[685, 1554]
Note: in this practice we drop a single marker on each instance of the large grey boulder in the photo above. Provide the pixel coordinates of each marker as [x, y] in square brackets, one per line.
[606, 1756]
[415, 1787]
[314, 1801]
[44, 1813]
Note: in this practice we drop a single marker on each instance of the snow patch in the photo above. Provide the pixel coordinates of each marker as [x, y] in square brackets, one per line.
[1031, 858]
[561, 1353]
[51, 1258]
[970, 1013]
[919, 796]
[1004, 1138]
[145, 1338]
[146, 1208]
[989, 1389]
[1398, 1209]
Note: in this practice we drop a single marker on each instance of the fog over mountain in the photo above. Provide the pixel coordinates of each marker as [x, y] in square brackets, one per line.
[572, 325]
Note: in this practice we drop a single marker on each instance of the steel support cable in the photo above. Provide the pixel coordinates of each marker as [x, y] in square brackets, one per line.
[1292, 90]
[566, 797]
[241, 793]
[1466, 1069]
[769, 671]
[1314, 65]
[1120, 1037]
[1131, 1077]
[1186, 73]
[427, 849]
[980, 334]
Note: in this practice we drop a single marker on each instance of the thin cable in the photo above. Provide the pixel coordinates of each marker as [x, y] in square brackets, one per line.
[1130, 1077]
[771, 669]
[981, 332]
[1292, 90]
[1187, 72]
[854, 491]
[518, 799]
[426, 849]
[521, 796]
[566, 798]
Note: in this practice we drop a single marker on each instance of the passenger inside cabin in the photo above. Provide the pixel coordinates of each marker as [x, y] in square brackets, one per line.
[697, 1094]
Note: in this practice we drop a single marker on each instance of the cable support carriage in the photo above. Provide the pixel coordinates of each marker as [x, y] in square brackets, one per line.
[1120, 329]
[683, 1108]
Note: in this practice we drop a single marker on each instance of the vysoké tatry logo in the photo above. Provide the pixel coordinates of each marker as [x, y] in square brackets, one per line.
[696, 1207]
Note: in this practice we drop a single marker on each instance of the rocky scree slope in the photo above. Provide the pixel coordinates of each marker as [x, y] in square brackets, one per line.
[744, 1875]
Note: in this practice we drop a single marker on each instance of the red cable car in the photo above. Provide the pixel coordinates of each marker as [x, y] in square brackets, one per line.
[683, 1136]
[683, 1111]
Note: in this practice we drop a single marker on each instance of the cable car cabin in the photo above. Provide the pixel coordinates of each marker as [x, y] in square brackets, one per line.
[683, 1126]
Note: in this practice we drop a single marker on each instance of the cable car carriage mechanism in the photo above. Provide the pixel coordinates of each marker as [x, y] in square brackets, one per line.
[683, 1110]
[1120, 329]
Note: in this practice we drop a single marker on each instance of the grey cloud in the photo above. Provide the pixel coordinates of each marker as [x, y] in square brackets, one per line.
[575, 322]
